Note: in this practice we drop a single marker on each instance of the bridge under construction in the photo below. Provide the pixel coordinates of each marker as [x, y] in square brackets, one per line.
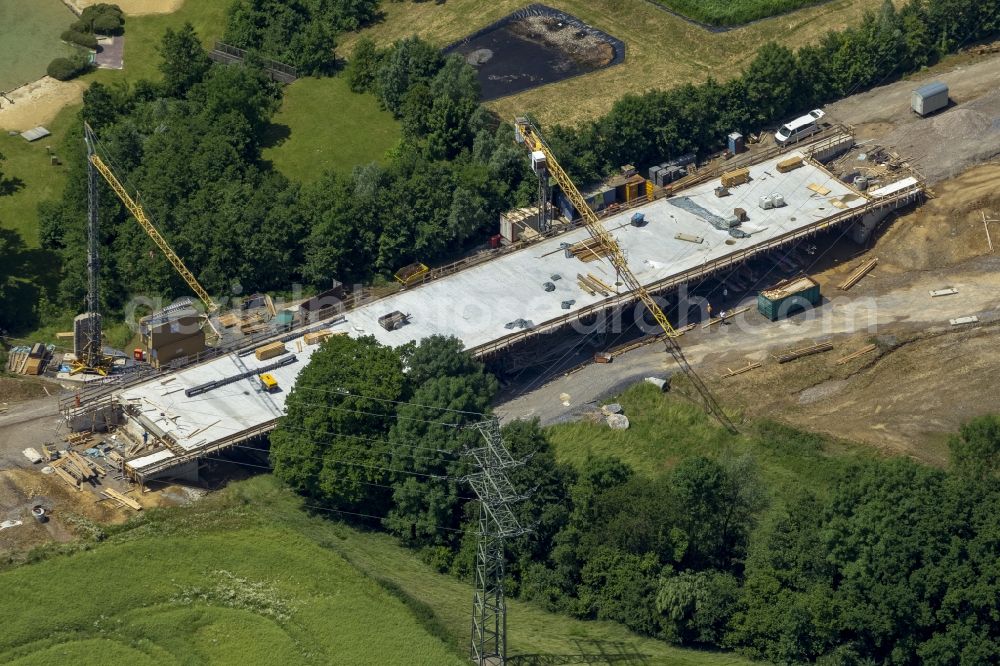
[498, 306]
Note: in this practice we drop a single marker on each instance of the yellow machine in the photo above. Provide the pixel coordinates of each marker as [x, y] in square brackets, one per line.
[525, 132]
[268, 382]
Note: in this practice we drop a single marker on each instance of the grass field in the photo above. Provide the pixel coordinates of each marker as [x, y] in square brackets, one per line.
[244, 577]
[30, 39]
[733, 12]
[662, 50]
[323, 126]
[666, 428]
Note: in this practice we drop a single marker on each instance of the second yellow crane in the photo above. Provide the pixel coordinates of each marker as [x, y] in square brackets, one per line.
[527, 133]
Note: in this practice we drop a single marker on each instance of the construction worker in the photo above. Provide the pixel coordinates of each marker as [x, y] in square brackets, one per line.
[722, 317]
[709, 308]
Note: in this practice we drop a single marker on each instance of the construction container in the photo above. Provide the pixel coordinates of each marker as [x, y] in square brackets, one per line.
[736, 143]
[735, 177]
[270, 351]
[638, 219]
[929, 98]
[268, 382]
[393, 320]
[792, 163]
[284, 319]
[788, 296]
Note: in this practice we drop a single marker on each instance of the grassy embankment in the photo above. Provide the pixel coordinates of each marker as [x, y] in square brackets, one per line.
[244, 576]
[662, 50]
[733, 12]
[666, 428]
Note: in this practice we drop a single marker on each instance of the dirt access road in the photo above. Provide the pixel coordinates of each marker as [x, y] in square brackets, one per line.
[944, 144]
[892, 399]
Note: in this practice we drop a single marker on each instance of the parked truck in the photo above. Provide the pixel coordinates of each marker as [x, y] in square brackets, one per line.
[927, 99]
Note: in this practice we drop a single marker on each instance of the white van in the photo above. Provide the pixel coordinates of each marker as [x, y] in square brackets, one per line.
[799, 128]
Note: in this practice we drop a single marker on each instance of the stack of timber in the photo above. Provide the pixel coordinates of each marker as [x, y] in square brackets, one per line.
[859, 272]
[317, 337]
[588, 250]
[122, 499]
[75, 469]
[593, 285]
[77, 438]
[861, 352]
[805, 351]
[792, 163]
[270, 351]
[736, 177]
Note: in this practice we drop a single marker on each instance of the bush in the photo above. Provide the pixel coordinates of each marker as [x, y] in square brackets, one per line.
[83, 39]
[103, 19]
[65, 69]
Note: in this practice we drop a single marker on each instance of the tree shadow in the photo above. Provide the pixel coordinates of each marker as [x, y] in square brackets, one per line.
[274, 135]
[591, 652]
[26, 274]
[10, 185]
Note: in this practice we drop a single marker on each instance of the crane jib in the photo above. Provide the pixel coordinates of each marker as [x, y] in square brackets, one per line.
[533, 140]
[140, 216]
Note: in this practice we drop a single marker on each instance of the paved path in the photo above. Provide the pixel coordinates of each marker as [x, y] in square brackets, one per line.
[906, 307]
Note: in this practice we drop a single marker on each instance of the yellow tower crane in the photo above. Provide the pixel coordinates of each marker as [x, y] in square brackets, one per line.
[527, 133]
[140, 217]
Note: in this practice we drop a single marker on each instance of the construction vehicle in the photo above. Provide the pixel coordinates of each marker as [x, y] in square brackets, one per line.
[268, 383]
[542, 157]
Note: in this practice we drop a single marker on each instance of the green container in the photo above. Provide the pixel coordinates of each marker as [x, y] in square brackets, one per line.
[788, 297]
[284, 319]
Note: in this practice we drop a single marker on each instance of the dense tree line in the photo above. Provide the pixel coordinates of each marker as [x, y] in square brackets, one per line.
[301, 33]
[190, 146]
[887, 43]
[899, 564]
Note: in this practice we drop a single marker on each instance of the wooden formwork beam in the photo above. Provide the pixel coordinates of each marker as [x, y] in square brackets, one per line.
[859, 272]
[740, 371]
[805, 351]
[861, 352]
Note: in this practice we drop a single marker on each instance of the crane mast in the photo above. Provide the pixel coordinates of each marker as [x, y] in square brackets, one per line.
[527, 133]
[140, 216]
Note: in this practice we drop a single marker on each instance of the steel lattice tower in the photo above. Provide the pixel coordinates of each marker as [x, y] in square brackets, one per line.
[497, 523]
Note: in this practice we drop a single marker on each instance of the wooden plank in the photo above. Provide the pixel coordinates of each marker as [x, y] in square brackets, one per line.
[740, 371]
[125, 499]
[818, 189]
[859, 272]
[805, 351]
[689, 238]
[861, 352]
[729, 315]
[958, 321]
[946, 291]
[607, 287]
[67, 478]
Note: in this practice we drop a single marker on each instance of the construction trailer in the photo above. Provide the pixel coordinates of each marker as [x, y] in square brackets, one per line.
[929, 98]
[787, 297]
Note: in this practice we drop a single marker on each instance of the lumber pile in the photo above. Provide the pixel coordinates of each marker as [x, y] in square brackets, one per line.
[792, 163]
[859, 272]
[736, 177]
[75, 469]
[588, 250]
[270, 351]
[592, 285]
[77, 438]
[861, 352]
[317, 337]
[805, 351]
[122, 499]
[740, 371]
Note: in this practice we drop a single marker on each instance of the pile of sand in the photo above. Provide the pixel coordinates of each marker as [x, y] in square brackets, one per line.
[38, 102]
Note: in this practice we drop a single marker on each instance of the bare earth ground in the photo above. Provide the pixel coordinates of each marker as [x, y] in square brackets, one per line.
[135, 7]
[38, 103]
[31, 422]
[926, 378]
[943, 144]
